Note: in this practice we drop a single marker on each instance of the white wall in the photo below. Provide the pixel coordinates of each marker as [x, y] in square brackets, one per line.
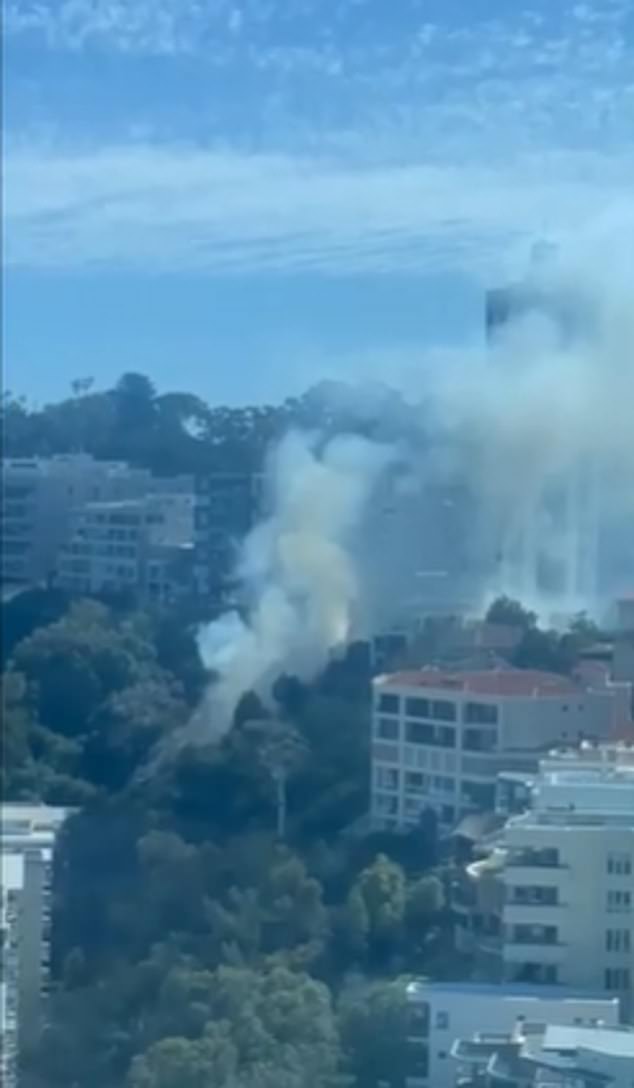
[482, 1009]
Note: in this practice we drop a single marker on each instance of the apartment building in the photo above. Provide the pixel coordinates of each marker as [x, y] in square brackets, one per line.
[11, 891]
[534, 1055]
[440, 739]
[553, 902]
[143, 545]
[228, 506]
[28, 837]
[40, 496]
[443, 1012]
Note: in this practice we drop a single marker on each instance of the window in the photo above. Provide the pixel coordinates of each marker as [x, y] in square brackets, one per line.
[619, 864]
[415, 781]
[387, 728]
[443, 711]
[419, 733]
[442, 1020]
[389, 704]
[446, 737]
[617, 978]
[617, 940]
[480, 714]
[619, 901]
[527, 895]
[444, 783]
[387, 778]
[479, 740]
[417, 708]
[386, 804]
[534, 934]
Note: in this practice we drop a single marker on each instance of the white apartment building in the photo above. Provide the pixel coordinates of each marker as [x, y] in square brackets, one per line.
[143, 545]
[439, 739]
[554, 900]
[39, 495]
[11, 892]
[443, 1012]
[534, 1055]
[28, 836]
[568, 875]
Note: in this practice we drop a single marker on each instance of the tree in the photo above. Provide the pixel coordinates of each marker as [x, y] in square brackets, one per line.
[425, 900]
[188, 1063]
[374, 1025]
[507, 611]
[381, 887]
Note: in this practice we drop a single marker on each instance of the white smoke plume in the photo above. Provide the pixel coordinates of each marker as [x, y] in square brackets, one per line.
[537, 414]
[297, 571]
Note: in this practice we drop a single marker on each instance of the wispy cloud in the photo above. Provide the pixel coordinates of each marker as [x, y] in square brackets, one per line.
[383, 142]
[169, 208]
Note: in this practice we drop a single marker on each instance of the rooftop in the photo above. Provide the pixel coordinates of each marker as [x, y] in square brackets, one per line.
[511, 990]
[491, 682]
[616, 1042]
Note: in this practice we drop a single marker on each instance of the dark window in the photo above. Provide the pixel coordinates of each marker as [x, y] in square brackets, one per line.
[414, 780]
[387, 729]
[419, 733]
[389, 704]
[479, 740]
[417, 708]
[443, 711]
[446, 737]
[480, 714]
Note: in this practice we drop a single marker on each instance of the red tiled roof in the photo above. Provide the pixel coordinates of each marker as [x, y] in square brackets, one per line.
[492, 682]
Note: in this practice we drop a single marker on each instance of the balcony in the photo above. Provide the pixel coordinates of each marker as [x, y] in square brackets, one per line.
[534, 859]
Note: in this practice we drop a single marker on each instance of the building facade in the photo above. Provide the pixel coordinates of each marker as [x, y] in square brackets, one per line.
[29, 834]
[440, 739]
[41, 498]
[564, 875]
[142, 545]
[11, 892]
[443, 1012]
[228, 505]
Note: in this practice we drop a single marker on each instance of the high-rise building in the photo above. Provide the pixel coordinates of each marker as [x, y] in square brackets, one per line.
[28, 838]
[549, 550]
[439, 738]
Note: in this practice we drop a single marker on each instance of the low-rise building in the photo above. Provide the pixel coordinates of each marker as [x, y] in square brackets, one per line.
[443, 1012]
[40, 497]
[142, 545]
[440, 739]
[534, 1055]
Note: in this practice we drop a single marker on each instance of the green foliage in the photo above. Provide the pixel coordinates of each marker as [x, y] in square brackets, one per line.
[505, 610]
[374, 1028]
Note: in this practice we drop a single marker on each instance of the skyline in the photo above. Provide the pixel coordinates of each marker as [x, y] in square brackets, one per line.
[242, 199]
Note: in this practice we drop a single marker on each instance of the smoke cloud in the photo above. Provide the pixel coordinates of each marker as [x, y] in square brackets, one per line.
[297, 571]
[525, 428]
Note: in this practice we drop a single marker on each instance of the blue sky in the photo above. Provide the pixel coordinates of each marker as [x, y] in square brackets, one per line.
[239, 198]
